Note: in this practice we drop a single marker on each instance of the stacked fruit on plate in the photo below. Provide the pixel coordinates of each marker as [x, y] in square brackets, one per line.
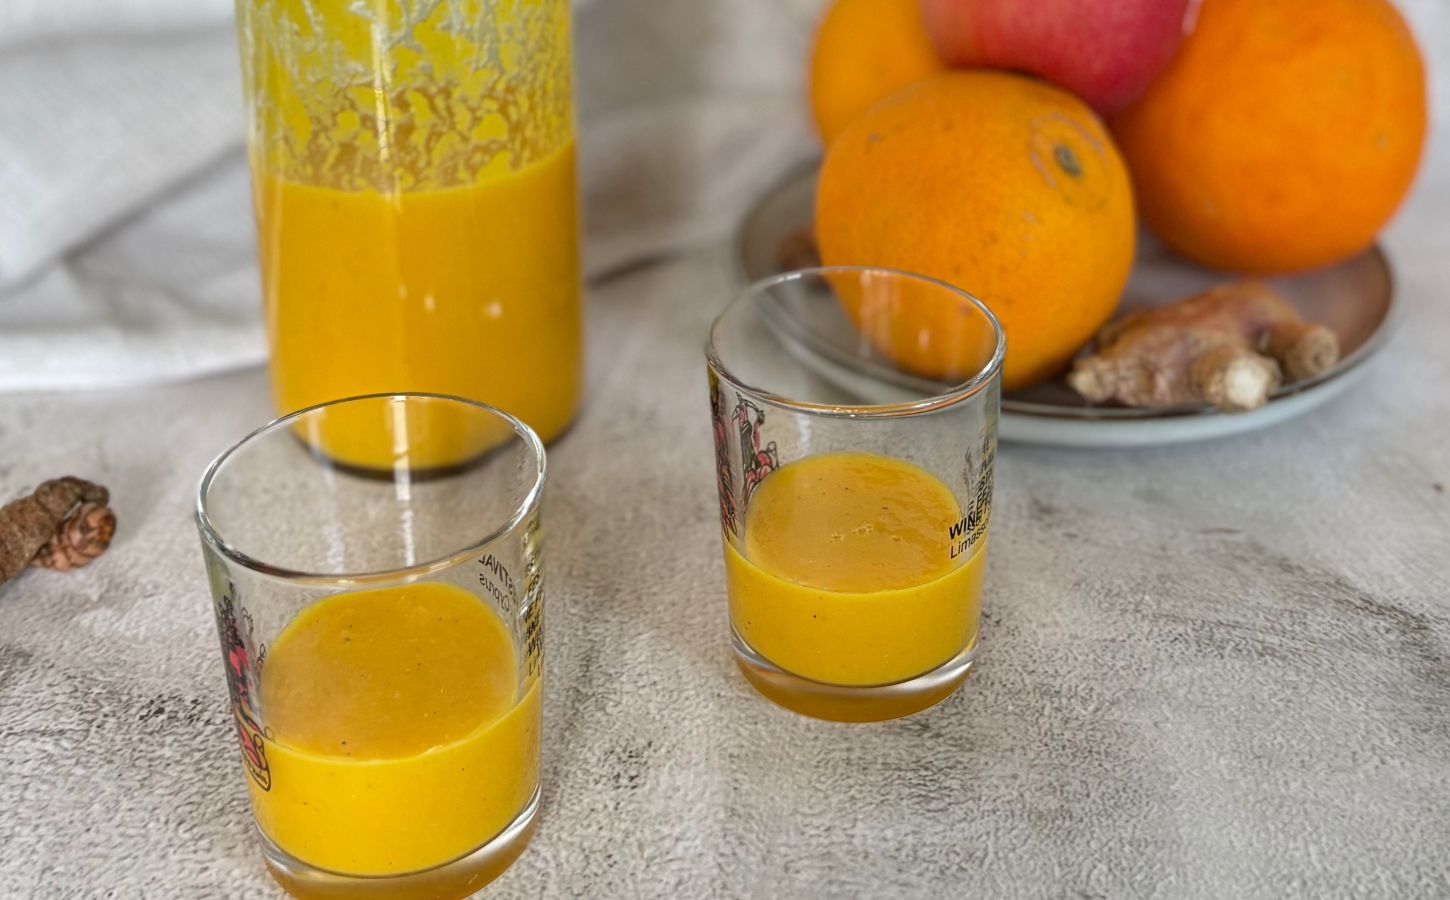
[1010, 149]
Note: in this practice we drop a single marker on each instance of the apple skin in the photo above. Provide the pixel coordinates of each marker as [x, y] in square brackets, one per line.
[1105, 51]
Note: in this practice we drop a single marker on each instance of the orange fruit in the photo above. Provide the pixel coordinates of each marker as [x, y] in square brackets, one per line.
[866, 50]
[1282, 137]
[1004, 186]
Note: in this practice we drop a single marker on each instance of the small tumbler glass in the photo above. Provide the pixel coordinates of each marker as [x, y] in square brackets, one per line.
[382, 634]
[854, 494]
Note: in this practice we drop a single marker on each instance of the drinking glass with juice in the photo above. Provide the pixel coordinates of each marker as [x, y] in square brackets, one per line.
[382, 637]
[854, 497]
[413, 177]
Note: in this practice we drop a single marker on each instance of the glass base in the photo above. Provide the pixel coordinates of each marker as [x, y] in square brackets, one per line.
[850, 703]
[450, 881]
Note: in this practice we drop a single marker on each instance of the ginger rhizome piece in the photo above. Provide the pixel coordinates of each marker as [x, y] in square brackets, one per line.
[65, 523]
[1229, 347]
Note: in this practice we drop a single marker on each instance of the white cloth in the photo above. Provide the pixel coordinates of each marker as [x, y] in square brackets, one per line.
[33, 21]
[126, 244]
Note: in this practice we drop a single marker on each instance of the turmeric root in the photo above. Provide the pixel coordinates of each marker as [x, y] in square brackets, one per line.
[1228, 347]
[84, 535]
[65, 523]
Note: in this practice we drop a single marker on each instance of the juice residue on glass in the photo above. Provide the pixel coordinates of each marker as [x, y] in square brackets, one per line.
[415, 192]
[398, 736]
[846, 575]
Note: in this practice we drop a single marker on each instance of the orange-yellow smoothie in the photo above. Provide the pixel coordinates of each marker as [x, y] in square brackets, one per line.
[846, 574]
[469, 290]
[399, 735]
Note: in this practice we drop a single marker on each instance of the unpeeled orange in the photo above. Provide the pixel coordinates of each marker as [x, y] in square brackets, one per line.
[1004, 186]
[866, 50]
[1282, 136]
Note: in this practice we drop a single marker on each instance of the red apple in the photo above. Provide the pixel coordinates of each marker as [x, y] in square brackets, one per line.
[1105, 51]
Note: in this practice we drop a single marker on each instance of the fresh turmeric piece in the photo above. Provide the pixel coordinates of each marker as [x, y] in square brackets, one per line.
[1229, 347]
[84, 535]
[63, 524]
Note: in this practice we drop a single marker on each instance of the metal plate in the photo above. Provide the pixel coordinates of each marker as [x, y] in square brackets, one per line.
[1354, 298]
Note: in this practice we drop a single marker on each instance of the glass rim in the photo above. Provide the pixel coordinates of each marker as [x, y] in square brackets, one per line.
[213, 539]
[953, 395]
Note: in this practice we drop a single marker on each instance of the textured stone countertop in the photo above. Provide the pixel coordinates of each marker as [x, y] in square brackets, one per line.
[1215, 670]
[1209, 670]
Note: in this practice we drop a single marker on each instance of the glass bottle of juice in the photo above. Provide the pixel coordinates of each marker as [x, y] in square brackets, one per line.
[414, 187]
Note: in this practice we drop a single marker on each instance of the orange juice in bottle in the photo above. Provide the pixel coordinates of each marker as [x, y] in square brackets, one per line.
[414, 188]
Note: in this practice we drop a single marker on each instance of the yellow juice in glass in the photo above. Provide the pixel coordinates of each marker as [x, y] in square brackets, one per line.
[845, 575]
[416, 203]
[399, 734]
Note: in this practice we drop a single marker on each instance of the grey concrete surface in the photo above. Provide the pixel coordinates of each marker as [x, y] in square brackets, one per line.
[1207, 671]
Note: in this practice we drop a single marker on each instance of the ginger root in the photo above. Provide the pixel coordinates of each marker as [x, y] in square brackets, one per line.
[64, 524]
[1228, 347]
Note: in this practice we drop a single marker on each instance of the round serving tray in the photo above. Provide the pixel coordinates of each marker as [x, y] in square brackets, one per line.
[1354, 298]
